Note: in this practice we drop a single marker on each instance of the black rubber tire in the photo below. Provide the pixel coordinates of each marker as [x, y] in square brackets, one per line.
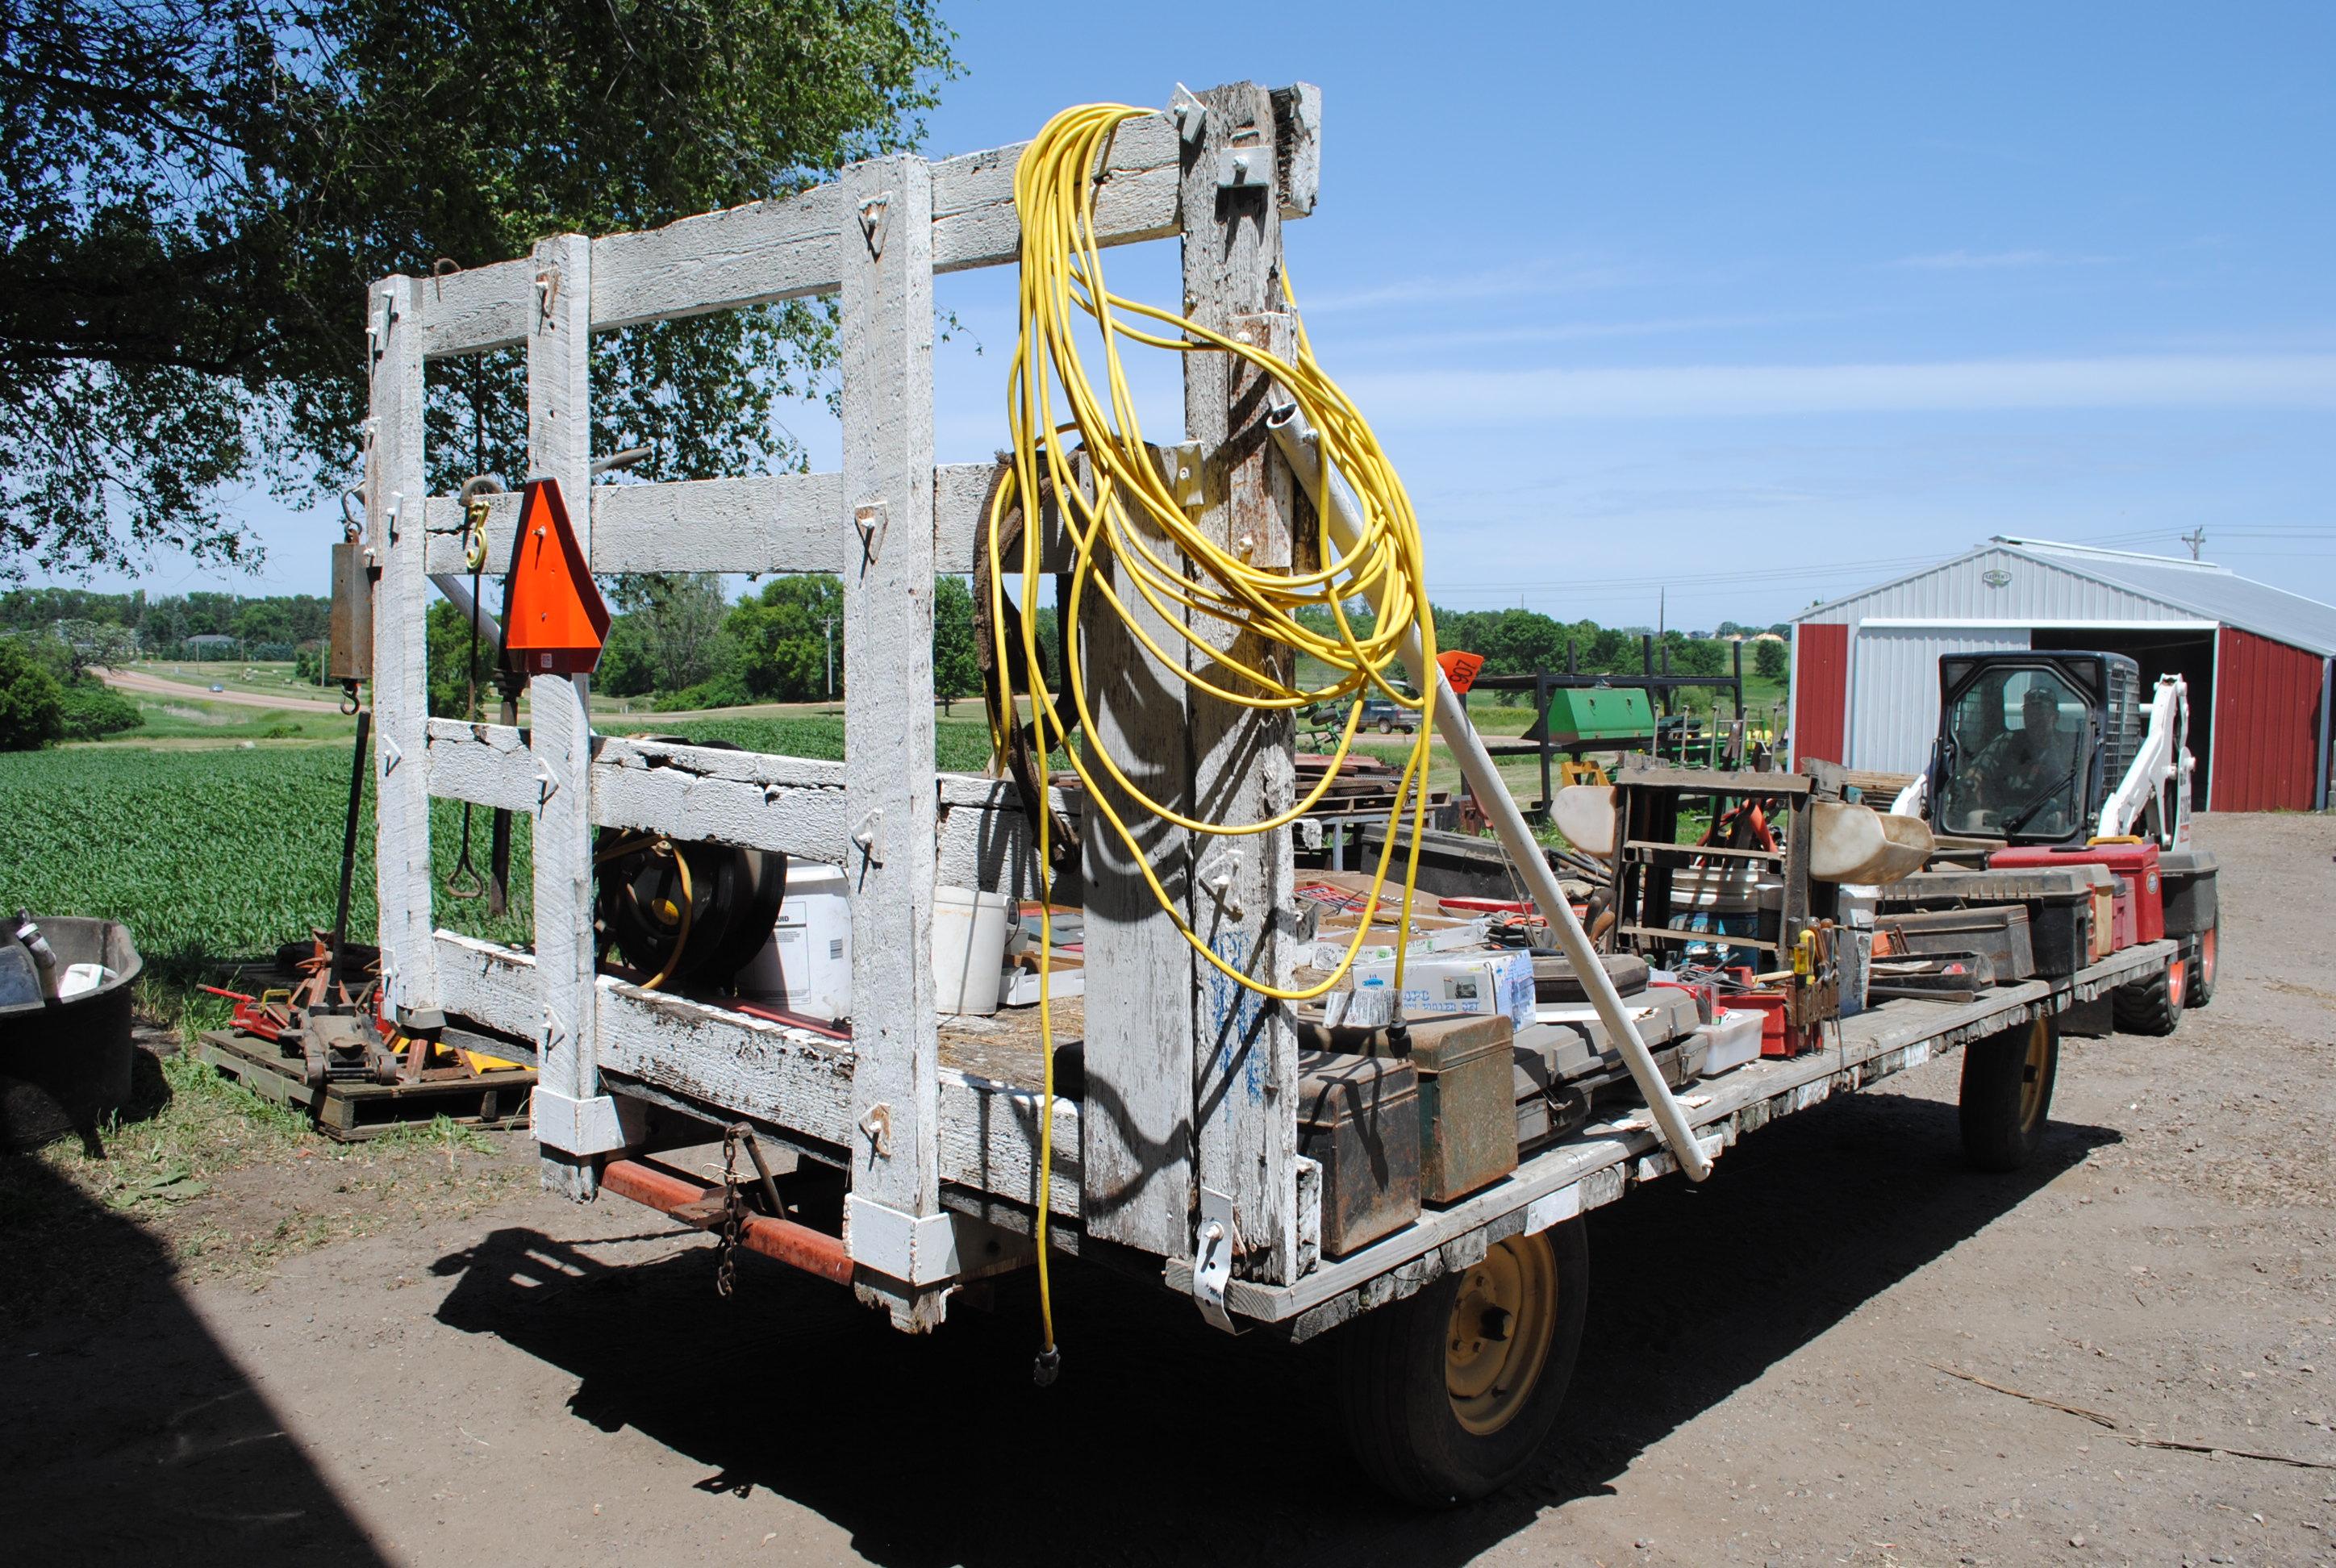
[2203, 951]
[2000, 1132]
[2150, 1007]
[1555, 982]
[1396, 1406]
[1387, 727]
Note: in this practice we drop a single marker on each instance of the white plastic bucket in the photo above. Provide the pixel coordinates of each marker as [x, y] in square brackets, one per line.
[968, 948]
[806, 966]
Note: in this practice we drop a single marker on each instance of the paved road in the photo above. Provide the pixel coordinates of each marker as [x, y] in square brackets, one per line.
[146, 684]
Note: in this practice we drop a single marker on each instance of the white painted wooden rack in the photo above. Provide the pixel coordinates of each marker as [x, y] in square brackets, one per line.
[1184, 1086]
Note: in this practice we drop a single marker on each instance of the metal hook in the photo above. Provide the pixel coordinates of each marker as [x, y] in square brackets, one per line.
[352, 514]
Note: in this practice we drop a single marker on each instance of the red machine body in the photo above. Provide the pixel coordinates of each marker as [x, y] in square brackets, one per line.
[2135, 865]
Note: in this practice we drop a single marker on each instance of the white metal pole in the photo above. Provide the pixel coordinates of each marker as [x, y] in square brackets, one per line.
[1491, 792]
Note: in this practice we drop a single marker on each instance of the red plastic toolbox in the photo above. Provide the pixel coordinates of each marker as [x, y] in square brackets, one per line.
[2134, 864]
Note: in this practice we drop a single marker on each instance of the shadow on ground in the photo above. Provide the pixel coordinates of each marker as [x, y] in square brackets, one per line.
[130, 1436]
[1167, 1443]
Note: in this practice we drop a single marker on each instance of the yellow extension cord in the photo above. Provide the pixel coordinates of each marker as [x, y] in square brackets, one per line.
[1062, 277]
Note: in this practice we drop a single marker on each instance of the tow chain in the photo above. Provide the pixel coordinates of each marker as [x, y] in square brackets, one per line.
[734, 1214]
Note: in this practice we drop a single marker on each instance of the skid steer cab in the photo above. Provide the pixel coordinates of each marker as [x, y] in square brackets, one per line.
[2059, 748]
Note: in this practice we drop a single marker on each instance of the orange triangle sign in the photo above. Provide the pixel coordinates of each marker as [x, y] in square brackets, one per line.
[1460, 669]
[554, 620]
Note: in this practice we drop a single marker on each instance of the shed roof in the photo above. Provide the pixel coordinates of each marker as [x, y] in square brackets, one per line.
[2201, 589]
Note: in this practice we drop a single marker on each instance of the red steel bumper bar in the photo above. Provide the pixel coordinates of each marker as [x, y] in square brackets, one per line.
[800, 1246]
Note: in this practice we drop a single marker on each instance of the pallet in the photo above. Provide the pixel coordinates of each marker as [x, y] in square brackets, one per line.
[350, 1113]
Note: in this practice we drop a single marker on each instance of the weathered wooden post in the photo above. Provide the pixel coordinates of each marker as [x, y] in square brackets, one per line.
[897, 1235]
[396, 489]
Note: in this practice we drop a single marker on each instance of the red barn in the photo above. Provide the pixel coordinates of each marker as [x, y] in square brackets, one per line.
[2260, 661]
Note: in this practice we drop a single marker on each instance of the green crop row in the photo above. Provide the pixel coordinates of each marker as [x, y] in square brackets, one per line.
[227, 853]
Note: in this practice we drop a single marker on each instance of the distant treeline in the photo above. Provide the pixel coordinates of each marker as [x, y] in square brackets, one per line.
[1521, 641]
[679, 641]
[268, 627]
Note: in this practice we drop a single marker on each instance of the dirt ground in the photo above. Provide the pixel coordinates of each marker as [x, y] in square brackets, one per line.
[472, 1372]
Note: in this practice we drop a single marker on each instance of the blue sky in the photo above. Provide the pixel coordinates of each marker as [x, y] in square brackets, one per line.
[1764, 303]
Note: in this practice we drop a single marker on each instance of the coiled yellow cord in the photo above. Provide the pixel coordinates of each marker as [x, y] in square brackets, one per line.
[1060, 280]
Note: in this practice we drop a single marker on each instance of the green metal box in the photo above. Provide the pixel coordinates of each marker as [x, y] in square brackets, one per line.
[1598, 713]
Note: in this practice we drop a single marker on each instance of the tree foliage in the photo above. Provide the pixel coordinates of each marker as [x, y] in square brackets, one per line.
[195, 194]
[32, 706]
[956, 672]
[781, 638]
[667, 634]
[1768, 660]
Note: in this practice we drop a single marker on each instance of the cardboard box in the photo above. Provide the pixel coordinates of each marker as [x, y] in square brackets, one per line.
[1494, 983]
[1429, 934]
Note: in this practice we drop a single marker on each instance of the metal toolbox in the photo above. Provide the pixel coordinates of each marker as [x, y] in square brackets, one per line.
[2000, 931]
[1467, 1106]
[1358, 1119]
[2058, 900]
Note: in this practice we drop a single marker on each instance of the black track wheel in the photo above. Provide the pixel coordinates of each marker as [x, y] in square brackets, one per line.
[2008, 1093]
[2154, 1005]
[1449, 1393]
[2200, 949]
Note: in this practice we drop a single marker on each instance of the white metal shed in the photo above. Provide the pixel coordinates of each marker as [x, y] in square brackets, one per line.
[2259, 659]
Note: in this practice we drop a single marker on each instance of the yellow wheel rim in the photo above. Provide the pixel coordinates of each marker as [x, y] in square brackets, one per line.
[1497, 1343]
[2031, 1073]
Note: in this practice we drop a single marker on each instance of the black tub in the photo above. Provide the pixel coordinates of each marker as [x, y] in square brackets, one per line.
[65, 1065]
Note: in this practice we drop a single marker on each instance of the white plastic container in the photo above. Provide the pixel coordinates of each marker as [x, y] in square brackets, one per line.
[806, 966]
[969, 949]
[1731, 1039]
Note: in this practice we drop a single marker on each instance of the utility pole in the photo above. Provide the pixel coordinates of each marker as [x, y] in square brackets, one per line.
[2196, 540]
[831, 659]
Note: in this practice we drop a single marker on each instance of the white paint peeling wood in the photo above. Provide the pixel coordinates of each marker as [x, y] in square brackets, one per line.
[886, 355]
[756, 254]
[490, 983]
[560, 447]
[975, 223]
[795, 806]
[764, 523]
[394, 494]
[799, 245]
[1243, 771]
[483, 308]
[488, 764]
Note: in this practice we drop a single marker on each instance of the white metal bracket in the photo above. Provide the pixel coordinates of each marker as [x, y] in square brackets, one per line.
[869, 837]
[876, 222]
[1192, 115]
[390, 755]
[588, 1126]
[547, 296]
[924, 1249]
[1249, 167]
[546, 784]
[1186, 469]
[1212, 1258]
[871, 521]
[876, 1126]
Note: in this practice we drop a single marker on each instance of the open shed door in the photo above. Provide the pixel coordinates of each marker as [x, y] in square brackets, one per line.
[1893, 713]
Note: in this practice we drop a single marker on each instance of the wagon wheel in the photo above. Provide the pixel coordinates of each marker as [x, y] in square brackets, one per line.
[1448, 1394]
[2007, 1093]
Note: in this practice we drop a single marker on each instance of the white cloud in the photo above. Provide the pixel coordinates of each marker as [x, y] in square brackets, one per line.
[1453, 397]
[1991, 260]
